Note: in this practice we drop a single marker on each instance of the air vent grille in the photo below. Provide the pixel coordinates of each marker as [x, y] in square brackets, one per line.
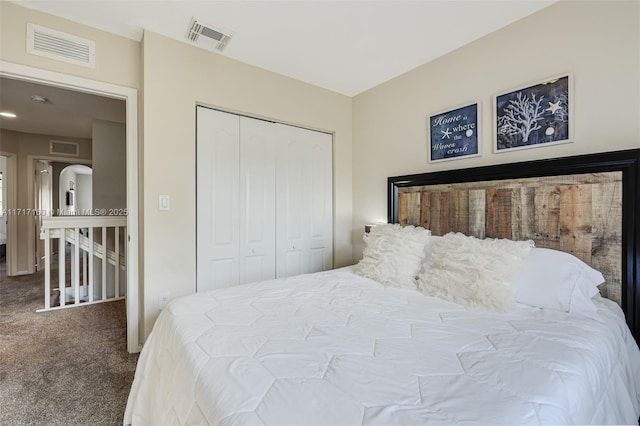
[63, 148]
[217, 38]
[61, 46]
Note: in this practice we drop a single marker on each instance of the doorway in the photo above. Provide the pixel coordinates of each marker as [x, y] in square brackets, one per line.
[74, 190]
[129, 96]
[61, 188]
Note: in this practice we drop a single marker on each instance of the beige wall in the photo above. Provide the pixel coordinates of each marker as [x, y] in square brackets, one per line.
[177, 77]
[26, 147]
[109, 142]
[117, 58]
[599, 42]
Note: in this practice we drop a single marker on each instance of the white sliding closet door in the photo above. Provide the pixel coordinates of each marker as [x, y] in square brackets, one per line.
[218, 195]
[257, 200]
[305, 202]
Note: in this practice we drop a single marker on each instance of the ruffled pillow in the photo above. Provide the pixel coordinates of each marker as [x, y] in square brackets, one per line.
[394, 254]
[474, 272]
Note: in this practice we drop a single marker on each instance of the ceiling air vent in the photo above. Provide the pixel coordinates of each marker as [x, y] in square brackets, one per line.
[208, 35]
[61, 46]
[63, 148]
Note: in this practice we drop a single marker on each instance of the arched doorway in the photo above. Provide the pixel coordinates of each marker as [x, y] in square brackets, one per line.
[75, 190]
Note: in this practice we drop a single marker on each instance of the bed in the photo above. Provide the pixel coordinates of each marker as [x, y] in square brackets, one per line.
[338, 347]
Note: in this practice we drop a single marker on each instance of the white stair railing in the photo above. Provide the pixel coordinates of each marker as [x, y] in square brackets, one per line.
[94, 241]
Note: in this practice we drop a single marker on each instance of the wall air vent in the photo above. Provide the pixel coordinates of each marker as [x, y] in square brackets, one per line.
[207, 35]
[61, 46]
[63, 148]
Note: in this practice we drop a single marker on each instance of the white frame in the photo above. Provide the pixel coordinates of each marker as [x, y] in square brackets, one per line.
[478, 131]
[130, 96]
[527, 86]
[9, 182]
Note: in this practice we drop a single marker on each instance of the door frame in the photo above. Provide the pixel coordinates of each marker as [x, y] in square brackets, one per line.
[130, 96]
[37, 180]
[9, 181]
[31, 195]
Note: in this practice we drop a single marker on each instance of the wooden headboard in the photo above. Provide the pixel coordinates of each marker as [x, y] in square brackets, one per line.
[585, 205]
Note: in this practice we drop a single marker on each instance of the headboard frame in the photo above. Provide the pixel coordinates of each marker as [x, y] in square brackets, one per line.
[587, 205]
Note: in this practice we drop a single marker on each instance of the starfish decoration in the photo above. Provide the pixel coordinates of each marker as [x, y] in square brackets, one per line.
[446, 133]
[553, 107]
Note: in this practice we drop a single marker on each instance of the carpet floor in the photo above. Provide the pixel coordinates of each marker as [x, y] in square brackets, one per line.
[63, 367]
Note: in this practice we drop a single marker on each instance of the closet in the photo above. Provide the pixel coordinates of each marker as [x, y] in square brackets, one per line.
[264, 200]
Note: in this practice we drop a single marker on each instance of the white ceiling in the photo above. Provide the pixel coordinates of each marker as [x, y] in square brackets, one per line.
[343, 46]
[66, 113]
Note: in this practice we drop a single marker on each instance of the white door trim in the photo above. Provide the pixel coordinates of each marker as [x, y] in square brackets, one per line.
[130, 96]
[9, 203]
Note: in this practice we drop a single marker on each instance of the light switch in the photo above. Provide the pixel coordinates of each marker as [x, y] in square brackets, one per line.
[164, 203]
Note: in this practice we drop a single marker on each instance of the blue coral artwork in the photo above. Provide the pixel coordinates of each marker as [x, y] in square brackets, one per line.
[454, 134]
[538, 115]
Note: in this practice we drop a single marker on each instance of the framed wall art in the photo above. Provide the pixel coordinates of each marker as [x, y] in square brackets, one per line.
[537, 115]
[455, 133]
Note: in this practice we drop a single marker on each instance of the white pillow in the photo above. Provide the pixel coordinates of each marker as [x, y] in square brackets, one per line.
[474, 272]
[554, 279]
[393, 255]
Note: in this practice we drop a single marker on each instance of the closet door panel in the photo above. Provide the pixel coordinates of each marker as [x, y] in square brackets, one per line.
[293, 263]
[318, 259]
[257, 200]
[217, 194]
[291, 200]
[222, 272]
[293, 206]
[304, 202]
[321, 202]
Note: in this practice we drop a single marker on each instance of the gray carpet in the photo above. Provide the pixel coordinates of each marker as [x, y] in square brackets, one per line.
[64, 367]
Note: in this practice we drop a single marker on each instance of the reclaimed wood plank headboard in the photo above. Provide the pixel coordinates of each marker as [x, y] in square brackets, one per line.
[585, 205]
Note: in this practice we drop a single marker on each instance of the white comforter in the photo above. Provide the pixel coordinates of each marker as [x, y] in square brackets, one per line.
[334, 348]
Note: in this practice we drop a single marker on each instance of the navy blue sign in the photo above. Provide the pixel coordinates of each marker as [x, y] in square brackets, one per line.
[454, 134]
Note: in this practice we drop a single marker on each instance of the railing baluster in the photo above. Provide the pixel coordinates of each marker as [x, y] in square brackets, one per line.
[125, 234]
[76, 267]
[116, 268]
[104, 263]
[91, 260]
[72, 276]
[84, 273]
[61, 266]
[47, 270]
